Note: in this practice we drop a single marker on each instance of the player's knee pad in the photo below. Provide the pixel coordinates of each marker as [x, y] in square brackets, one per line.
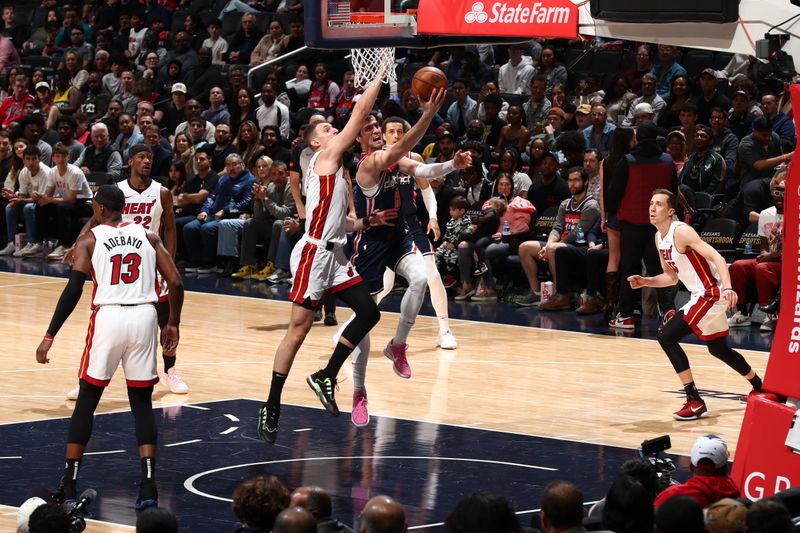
[80, 425]
[141, 400]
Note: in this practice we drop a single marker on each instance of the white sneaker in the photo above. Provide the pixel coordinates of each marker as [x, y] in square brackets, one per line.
[175, 382]
[8, 250]
[769, 323]
[34, 251]
[73, 393]
[447, 341]
[739, 320]
[57, 254]
[22, 250]
[208, 270]
[279, 276]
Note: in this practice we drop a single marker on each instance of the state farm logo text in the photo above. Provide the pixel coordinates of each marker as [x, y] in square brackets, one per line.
[505, 13]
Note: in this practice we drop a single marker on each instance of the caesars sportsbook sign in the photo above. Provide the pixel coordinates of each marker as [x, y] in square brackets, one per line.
[512, 18]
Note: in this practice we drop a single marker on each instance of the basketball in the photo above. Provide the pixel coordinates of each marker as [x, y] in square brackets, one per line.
[426, 80]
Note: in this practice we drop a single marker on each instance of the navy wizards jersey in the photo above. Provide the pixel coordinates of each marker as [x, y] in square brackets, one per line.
[395, 190]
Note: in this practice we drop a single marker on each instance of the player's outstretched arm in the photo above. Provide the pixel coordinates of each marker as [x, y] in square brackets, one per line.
[429, 171]
[170, 333]
[666, 279]
[82, 265]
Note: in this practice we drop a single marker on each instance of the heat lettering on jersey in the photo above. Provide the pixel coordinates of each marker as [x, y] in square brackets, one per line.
[122, 240]
[666, 255]
[138, 208]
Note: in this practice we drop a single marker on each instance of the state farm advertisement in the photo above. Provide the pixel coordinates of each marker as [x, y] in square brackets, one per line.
[523, 18]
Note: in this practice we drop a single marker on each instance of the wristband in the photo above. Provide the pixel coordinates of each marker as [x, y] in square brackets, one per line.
[48, 338]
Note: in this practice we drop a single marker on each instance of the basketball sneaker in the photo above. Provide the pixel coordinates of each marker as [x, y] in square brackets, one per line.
[175, 382]
[8, 250]
[280, 276]
[148, 496]
[739, 320]
[620, 322]
[73, 392]
[245, 272]
[57, 254]
[36, 250]
[397, 354]
[325, 388]
[359, 416]
[691, 410]
[264, 274]
[330, 319]
[268, 423]
[22, 250]
[769, 323]
[530, 299]
[447, 341]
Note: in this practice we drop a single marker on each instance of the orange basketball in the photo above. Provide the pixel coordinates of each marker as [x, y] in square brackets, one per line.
[426, 80]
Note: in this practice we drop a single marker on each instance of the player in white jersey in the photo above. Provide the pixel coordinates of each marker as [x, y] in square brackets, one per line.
[319, 263]
[687, 258]
[123, 259]
[149, 204]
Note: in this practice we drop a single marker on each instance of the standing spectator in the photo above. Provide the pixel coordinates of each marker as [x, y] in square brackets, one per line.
[760, 152]
[644, 65]
[635, 177]
[11, 107]
[245, 41]
[515, 76]
[100, 156]
[649, 96]
[704, 170]
[781, 124]
[458, 112]
[725, 143]
[272, 112]
[537, 107]
[666, 70]
[598, 135]
[709, 97]
[740, 118]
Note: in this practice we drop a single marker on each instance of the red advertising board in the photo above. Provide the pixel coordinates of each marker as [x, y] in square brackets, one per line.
[501, 18]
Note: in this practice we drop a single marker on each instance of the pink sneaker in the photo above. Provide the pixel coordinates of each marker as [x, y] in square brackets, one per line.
[175, 382]
[359, 416]
[397, 354]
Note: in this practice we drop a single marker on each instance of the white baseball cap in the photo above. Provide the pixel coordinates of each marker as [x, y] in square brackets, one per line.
[43, 84]
[25, 511]
[179, 88]
[711, 448]
[643, 109]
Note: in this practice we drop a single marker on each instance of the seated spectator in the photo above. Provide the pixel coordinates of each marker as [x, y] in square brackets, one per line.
[583, 118]
[32, 127]
[709, 96]
[446, 146]
[492, 110]
[765, 270]
[688, 119]
[591, 164]
[515, 76]
[618, 100]
[69, 195]
[628, 506]
[649, 96]
[128, 136]
[215, 43]
[271, 44]
[258, 501]
[561, 507]
[760, 152]
[162, 156]
[244, 41]
[549, 188]
[725, 143]
[766, 516]
[781, 124]
[510, 164]
[156, 520]
[726, 516]
[666, 70]
[641, 113]
[537, 106]
[184, 149]
[272, 203]
[551, 69]
[221, 148]
[66, 127]
[740, 117]
[49, 518]
[459, 111]
[482, 513]
[243, 108]
[479, 237]
[193, 109]
[11, 106]
[383, 514]
[556, 118]
[598, 135]
[247, 143]
[447, 252]
[183, 53]
[710, 481]
[514, 134]
[197, 131]
[295, 520]
[323, 91]
[680, 514]
[33, 181]
[272, 112]
[232, 197]
[704, 169]
[218, 111]
[676, 148]
[194, 194]
[679, 95]
[318, 502]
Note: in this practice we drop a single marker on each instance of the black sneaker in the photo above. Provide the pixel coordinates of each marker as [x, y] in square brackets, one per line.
[480, 269]
[268, 423]
[148, 496]
[324, 387]
[330, 319]
[318, 314]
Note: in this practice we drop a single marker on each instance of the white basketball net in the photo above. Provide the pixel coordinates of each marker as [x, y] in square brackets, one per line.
[368, 61]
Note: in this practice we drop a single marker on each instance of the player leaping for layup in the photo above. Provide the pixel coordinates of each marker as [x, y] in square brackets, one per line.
[319, 263]
[686, 257]
[123, 259]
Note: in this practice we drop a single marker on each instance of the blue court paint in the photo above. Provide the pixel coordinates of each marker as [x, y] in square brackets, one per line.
[427, 467]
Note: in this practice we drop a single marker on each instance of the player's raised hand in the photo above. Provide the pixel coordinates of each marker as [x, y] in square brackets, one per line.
[434, 103]
[41, 351]
[462, 159]
[169, 338]
[382, 218]
[636, 281]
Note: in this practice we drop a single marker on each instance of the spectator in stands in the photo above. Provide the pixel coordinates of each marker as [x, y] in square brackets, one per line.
[344, 101]
[67, 199]
[193, 25]
[95, 98]
[725, 143]
[618, 99]
[474, 72]
[183, 148]
[537, 106]
[552, 70]
[318, 502]
[193, 109]
[635, 177]
[549, 188]
[83, 51]
[295, 520]
[726, 516]
[482, 513]
[515, 76]
[510, 164]
[258, 501]
[126, 96]
[591, 164]
[561, 508]
[446, 147]
[583, 117]
[741, 117]
[11, 107]
[49, 518]
[66, 126]
[183, 53]
[156, 520]
[710, 481]
[198, 128]
[554, 127]
[641, 113]
[676, 148]
[560, 99]
[273, 113]
[136, 34]
[244, 41]
[688, 119]
[781, 124]
[709, 97]
[459, 111]
[270, 46]
[644, 65]
[680, 514]
[32, 128]
[218, 111]
[765, 270]
[112, 81]
[666, 70]
[678, 96]
[649, 96]
[41, 40]
[598, 135]
[222, 147]
[10, 28]
[514, 134]
[766, 516]
[628, 506]
[704, 170]
[760, 152]
[6, 154]
[383, 514]
[323, 91]
[194, 194]
[492, 110]
[232, 196]
[215, 43]
[33, 180]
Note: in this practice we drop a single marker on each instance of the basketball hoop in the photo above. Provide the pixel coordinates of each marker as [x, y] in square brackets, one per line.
[367, 62]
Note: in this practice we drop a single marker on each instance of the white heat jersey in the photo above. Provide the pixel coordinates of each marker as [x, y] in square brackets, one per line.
[123, 266]
[143, 208]
[326, 205]
[695, 271]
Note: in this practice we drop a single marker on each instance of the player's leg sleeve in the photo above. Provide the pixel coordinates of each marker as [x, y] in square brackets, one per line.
[80, 424]
[669, 339]
[358, 298]
[141, 400]
[720, 349]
